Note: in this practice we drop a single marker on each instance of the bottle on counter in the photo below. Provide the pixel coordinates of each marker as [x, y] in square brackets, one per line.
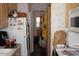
[15, 13]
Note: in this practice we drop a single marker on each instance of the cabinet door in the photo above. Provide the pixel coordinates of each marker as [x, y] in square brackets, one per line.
[69, 7]
[74, 5]
[0, 15]
[3, 15]
[17, 52]
[12, 6]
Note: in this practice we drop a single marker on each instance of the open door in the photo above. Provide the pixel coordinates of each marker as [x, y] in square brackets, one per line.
[45, 27]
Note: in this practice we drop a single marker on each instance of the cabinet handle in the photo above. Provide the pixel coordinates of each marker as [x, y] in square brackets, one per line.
[24, 36]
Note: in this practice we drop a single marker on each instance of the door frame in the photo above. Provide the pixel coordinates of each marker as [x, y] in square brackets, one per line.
[49, 30]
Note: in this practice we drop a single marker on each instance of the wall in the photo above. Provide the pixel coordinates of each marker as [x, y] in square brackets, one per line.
[22, 7]
[36, 14]
[57, 19]
[39, 6]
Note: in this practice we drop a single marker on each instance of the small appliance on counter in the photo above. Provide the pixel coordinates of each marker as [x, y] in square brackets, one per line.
[10, 43]
[5, 40]
[3, 36]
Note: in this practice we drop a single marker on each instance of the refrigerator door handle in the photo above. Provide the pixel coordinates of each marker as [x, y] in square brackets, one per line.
[24, 36]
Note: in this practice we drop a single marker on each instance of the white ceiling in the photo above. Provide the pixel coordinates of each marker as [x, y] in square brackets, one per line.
[39, 6]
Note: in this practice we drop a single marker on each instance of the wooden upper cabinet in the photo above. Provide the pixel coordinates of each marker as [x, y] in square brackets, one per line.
[5, 8]
[71, 6]
[3, 15]
[12, 6]
[74, 5]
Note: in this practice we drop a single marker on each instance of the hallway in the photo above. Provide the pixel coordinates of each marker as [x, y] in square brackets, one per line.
[39, 23]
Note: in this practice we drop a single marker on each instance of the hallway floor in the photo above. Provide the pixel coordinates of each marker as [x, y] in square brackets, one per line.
[38, 51]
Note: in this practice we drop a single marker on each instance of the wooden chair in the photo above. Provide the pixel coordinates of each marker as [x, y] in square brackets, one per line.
[60, 38]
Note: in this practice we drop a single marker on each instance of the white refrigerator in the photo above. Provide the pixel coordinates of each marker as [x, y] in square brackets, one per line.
[17, 28]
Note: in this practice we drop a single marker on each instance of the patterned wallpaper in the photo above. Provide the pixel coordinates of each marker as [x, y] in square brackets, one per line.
[44, 26]
[57, 19]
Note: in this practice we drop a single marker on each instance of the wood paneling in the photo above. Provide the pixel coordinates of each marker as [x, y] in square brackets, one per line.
[3, 15]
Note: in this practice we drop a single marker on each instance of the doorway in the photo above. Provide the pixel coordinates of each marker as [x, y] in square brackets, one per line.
[41, 31]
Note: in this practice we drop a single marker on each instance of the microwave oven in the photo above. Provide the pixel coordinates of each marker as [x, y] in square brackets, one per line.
[74, 19]
[74, 24]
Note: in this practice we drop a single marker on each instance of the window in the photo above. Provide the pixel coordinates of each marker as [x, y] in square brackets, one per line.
[37, 21]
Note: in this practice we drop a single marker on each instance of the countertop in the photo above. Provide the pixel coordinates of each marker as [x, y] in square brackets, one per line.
[72, 51]
[8, 51]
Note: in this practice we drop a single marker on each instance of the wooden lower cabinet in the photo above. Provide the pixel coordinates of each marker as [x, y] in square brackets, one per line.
[17, 51]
